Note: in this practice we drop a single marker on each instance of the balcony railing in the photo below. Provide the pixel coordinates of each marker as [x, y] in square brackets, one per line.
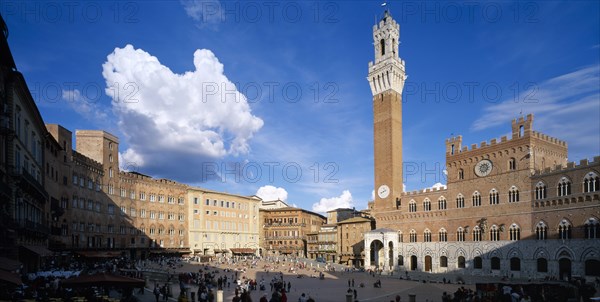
[30, 226]
[30, 184]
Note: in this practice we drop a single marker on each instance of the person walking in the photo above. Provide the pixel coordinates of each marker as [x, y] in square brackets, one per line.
[302, 298]
[157, 293]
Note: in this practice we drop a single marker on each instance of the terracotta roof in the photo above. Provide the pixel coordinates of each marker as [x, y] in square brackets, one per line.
[355, 220]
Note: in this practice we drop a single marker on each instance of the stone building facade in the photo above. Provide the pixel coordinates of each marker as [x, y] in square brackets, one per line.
[24, 205]
[350, 234]
[512, 207]
[222, 223]
[285, 231]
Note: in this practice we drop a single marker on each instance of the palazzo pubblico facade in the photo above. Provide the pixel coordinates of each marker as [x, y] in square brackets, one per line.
[512, 207]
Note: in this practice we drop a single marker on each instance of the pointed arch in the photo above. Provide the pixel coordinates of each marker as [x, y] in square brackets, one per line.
[412, 206]
[541, 191]
[476, 252]
[564, 252]
[413, 235]
[494, 233]
[589, 253]
[591, 228]
[460, 201]
[514, 232]
[591, 182]
[564, 229]
[442, 204]
[541, 252]
[564, 186]
[476, 233]
[494, 196]
[541, 229]
[442, 235]
[513, 194]
[426, 204]
[427, 235]
[460, 234]
[514, 252]
[476, 197]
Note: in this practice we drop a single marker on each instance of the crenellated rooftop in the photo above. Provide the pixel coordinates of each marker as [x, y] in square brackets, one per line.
[139, 176]
[548, 138]
[425, 191]
[569, 166]
[521, 128]
[81, 159]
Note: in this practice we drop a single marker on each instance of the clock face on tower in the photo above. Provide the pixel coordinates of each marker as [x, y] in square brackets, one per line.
[383, 191]
[483, 168]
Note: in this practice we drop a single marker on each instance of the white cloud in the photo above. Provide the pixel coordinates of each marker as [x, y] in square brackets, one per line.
[373, 195]
[130, 161]
[204, 11]
[437, 186]
[269, 193]
[195, 117]
[565, 107]
[326, 204]
[83, 105]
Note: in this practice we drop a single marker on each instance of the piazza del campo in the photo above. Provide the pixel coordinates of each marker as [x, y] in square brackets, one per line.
[515, 213]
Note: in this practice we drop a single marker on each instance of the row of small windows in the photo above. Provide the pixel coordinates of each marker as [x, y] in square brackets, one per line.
[123, 230]
[81, 181]
[152, 197]
[110, 209]
[494, 198]
[442, 236]
[591, 183]
[591, 231]
[224, 204]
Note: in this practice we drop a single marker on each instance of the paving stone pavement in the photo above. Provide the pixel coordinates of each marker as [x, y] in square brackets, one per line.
[332, 289]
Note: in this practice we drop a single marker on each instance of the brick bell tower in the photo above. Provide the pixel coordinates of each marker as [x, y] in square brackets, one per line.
[386, 78]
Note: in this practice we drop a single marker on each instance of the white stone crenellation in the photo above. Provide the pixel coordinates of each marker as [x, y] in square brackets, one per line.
[387, 72]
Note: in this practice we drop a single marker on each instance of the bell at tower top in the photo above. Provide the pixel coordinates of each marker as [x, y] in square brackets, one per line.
[387, 71]
[386, 38]
[386, 15]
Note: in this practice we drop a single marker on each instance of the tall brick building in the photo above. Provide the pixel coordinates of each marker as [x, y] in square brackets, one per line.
[512, 206]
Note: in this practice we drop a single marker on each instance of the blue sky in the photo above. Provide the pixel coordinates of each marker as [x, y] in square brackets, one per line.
[272, 97]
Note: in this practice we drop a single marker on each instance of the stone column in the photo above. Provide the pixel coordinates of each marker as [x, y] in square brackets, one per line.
[386, 255]
[395, 255]
[367, 243]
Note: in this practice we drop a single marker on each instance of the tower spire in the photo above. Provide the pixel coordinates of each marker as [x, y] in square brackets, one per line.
[386, 78]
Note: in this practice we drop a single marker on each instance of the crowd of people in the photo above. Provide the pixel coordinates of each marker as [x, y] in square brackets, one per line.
[202, 281]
